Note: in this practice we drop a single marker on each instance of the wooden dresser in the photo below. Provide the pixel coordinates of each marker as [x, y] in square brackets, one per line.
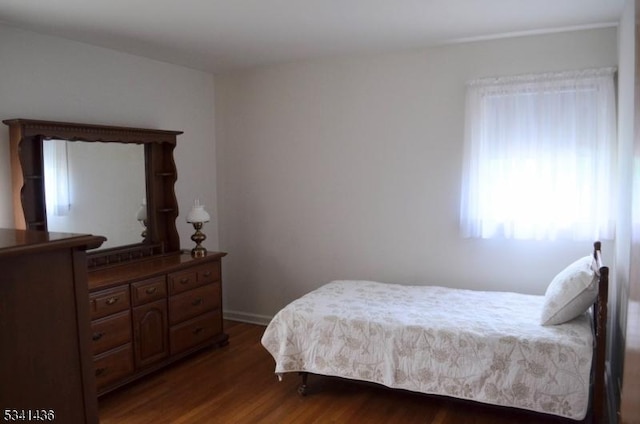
[45, 360]
[149, 304]
[146, 314]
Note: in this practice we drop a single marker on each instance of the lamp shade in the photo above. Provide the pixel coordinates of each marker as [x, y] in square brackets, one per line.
[197, 213]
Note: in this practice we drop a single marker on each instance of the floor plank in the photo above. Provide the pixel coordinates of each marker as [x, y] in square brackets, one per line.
[236, 384]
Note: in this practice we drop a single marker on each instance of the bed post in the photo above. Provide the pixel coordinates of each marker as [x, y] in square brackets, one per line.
[600, 323]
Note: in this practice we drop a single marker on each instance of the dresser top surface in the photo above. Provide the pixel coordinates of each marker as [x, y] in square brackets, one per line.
[146, 268]
[14, 241]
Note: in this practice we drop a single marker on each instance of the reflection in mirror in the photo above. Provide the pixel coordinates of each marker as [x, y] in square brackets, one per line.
[95, 188]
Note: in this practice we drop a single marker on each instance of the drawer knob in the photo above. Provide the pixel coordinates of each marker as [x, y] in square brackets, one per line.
[184, 280]
[100, 371]
[151, 290]
[112, 300]
[197, 302]
[97, 336]
[198, 330]
[207, 274]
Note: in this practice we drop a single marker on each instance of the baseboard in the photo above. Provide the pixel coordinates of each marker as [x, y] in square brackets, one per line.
[611, 401]
[247, 317]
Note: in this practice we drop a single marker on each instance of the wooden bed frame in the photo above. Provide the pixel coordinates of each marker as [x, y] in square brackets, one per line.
[598, 390]
[600, 310]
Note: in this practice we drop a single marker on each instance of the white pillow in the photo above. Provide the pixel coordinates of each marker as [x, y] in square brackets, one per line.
[571, 292]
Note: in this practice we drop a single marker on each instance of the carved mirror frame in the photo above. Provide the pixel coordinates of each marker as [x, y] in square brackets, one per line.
[27, 168]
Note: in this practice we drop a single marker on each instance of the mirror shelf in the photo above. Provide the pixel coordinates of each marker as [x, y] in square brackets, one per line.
[29, 198]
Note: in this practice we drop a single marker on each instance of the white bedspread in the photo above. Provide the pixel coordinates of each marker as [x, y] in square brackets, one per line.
[484, 346]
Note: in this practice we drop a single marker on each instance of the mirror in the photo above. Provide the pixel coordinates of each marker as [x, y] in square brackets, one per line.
[95, 188]
[114, 188]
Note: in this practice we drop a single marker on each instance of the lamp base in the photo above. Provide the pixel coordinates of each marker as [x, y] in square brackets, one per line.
[198, 252]
[198, 237]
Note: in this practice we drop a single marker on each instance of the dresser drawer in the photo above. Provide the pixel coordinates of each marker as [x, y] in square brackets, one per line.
[148, 290]
[209, 273]
[107, 302]
[194, 332]
[194, 277]
[113, 365]
[110, 332]
[194, 302]
[181, 281]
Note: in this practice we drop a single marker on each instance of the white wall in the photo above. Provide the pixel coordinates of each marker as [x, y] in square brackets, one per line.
[619, 291]
[350, 168]
[626, 78]
[44, 77]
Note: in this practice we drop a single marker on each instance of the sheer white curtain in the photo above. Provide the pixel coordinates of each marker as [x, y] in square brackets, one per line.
[56, 177]
[540, 156]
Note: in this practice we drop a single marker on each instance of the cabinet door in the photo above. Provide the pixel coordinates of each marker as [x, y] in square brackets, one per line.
[150, 333]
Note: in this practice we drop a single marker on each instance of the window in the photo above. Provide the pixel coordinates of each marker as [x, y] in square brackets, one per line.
[539, 158]
[56, 177]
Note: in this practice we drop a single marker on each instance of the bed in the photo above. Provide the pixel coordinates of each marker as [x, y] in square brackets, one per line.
[539, 353]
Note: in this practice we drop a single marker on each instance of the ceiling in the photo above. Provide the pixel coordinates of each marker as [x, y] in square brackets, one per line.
[222, 35]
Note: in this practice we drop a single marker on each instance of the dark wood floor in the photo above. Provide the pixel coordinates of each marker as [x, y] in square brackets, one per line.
[236, 384]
